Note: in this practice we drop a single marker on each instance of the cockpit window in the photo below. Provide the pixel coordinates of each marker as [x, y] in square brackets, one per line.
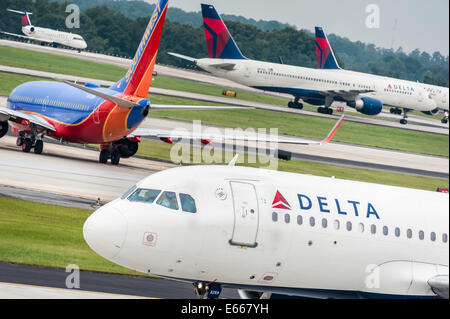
[131, 190]
[169, 200]
[187, 203]
[144, 195]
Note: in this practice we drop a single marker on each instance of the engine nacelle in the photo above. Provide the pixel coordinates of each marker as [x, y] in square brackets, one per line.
[4, 126]
[433, 112]
[367, 105]
[126, 147]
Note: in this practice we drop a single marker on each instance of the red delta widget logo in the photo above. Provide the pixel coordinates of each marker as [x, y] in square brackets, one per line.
[328, 205]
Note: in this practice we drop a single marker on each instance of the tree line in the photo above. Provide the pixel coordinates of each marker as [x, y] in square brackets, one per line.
[109, 31]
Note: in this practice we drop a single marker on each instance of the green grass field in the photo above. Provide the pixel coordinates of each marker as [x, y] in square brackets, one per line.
[47, 235]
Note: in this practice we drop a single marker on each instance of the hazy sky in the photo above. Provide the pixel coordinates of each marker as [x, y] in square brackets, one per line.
[422, 24]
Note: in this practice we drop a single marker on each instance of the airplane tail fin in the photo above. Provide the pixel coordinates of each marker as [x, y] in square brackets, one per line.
[325, 55]
[139, 76]
[218, 39]
[25, 17]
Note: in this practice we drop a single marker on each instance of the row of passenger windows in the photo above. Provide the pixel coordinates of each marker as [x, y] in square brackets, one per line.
[46, 102]
[166, 199]
[260, 71]
[361, 227]
[400, 92]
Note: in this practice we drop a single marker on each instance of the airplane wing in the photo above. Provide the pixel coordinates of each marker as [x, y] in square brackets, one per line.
[26, 37]
[129, 104]
[224, 66]
[439, 285]
[7, 114]
[166, 134]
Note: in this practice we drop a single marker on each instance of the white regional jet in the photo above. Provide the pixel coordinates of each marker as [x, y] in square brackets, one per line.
[47, 35]
[364, 92]
[266, 232]
[327, 60]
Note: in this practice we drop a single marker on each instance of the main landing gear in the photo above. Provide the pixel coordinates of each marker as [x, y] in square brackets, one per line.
[325, 110]
[445, 119]
[296, 104]
[397, 111]
[114, 151]
[31, 142]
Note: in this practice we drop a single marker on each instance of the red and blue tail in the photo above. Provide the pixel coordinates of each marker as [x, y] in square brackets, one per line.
[25, 17]
[218, 39]
[325, 55]
[139, 76]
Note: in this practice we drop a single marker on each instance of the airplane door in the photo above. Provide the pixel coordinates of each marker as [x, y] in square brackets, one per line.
[96, 116]
[246, 214]
[44, 103]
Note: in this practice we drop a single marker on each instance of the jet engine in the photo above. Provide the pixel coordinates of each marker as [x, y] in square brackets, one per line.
[127, 147]
[248, 294]
[433, 112]
[3, 128]
[367, 105]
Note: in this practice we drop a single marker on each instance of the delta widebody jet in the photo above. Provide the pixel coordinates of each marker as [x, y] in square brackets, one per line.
[265, 232]
[110, 117]
[365, 93]
[45, 35]
[326, 60]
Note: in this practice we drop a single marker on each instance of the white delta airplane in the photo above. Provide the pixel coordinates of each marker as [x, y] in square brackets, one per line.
[321, 87]
[50, 36]
[327, 60]
[266, 232]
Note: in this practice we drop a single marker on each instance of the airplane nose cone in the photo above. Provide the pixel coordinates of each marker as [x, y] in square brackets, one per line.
[105, 231]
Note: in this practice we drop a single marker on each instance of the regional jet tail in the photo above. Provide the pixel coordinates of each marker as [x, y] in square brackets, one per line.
[44, 35]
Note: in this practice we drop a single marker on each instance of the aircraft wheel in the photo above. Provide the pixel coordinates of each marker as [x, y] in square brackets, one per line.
[104, 155]
[403, 122]
[320, 110]
[115, 157]
[329, 111]
[38, 147]
[299, 106]
[19, 141]
[392, 110]
[444, 121]
[27, 145]
[291, 105]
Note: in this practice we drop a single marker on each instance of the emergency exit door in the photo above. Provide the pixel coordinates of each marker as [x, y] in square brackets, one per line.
[246, 214]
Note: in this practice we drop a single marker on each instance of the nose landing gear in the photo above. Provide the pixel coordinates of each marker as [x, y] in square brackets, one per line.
[207, 290]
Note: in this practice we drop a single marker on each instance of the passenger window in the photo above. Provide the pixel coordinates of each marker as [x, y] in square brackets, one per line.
[433, 236]
[299, 220]
[187, 203]
[144, 195]
[385, 231]
[349, 226]
[312, 221]
[274, 217]
[287, 218]
[421, 235]
[361, 227]
[169, 200]
[373, 229]
[337, 225]
[444, 238]
[397, 232]
[324, 223]
[409, 233]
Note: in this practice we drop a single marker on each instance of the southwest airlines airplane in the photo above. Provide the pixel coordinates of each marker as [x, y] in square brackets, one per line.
[327, 60]
[108, 117]
[266, 232]
[47, 35]
[366, 93]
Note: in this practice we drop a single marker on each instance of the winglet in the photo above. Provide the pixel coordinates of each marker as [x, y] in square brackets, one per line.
[333, 131]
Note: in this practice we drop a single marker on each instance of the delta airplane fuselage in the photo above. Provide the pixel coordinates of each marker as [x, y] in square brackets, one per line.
[268, 231]
[309, 84]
